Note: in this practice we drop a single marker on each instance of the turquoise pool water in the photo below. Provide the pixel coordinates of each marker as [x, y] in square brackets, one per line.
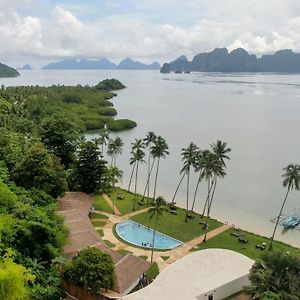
[142, 236]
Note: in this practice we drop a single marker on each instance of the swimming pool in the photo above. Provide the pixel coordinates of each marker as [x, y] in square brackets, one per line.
[142, 236]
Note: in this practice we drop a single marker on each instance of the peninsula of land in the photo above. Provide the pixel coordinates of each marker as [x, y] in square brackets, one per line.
[6, 71]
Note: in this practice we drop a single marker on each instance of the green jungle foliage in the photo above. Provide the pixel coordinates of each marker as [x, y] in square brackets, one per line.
[87, 107]
[92, 269]
[121, 124]
[110, 85]
[42, 155]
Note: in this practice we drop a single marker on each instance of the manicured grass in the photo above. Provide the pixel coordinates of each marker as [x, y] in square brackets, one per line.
[175, 225]
[226, 241]
[153, 271]
[98, 223]
[109, 244]
[125, 206]
[165, 257]
[144, 257]
[123, 252]
[100, 232]
[101, 205]
[98, 216]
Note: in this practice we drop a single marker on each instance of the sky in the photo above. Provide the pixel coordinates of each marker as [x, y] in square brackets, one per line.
[40, 31]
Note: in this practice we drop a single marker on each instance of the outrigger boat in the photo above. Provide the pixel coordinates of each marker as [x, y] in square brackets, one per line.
[291, 222]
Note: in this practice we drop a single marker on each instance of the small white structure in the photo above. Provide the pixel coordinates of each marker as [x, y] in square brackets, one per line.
[212, 274]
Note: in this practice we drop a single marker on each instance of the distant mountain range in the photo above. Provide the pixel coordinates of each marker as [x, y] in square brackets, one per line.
[102, 63]
[239, 60]
[25, 67]
[6, 71]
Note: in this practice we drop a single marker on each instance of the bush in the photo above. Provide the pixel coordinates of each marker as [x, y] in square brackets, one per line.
[91, 269]
[121, 124]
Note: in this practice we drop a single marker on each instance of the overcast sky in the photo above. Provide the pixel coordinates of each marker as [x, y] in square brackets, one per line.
[38, 31]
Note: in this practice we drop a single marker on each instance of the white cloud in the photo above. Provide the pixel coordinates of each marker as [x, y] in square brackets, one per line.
[162, 30]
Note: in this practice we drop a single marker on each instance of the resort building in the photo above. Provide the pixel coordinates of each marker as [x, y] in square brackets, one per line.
[212, 274]
[74, 207]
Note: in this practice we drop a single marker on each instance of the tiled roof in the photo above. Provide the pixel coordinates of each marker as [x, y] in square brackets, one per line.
[74, 207]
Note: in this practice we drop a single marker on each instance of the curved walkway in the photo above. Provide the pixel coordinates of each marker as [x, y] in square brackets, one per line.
[174, 254]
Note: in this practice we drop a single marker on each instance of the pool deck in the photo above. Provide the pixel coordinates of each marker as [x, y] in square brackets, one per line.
[174, 254]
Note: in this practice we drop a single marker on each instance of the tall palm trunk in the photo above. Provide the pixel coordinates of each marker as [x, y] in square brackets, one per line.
[277, 221]
[209, 187]
[207, 199]
[135, 186]
[147, 182]
[153, 239]
[196, 190]
[179, 184]
[187, 195]
[155, 182]
[214, 184]
[133, 168]
[102, 148]
[149, 159]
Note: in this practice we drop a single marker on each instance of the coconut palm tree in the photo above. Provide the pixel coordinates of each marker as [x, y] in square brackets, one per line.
[149, 141]
[137, 158]
[220, 149]
[291, 181]
[198, 165]
[158, 150]
[188, 157]
[212, 168]
[115, 175]
[159, 206]
[275, 272]
[103, 138]
[114, 148]
[137, 144]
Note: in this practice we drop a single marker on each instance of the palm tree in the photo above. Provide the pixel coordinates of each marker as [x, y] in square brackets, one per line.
[115, 175]
[291, 181]
[103, 138]
[137, 144]
[212, 168]
[155, 212]
[188, 158]
[198, 165]
[149, 141]
[137, 157]
[158, 150]
[220, 150]
[276, 272]
[114, 148]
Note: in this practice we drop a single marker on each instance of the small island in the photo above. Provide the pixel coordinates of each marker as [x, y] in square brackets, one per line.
[6, 71]
[26, 67]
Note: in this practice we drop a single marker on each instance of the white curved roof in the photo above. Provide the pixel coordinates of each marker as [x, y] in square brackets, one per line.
[195, 274]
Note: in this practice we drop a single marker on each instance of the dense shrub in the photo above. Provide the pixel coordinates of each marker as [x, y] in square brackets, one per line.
[121, 124]
[110, 85]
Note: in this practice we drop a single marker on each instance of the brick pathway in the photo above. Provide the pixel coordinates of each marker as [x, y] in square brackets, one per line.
[111, 204]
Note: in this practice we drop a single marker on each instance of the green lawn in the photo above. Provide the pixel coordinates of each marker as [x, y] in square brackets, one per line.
[144, 257]
[226, 241]
[165, 257]
[101, 205]
[98, 223]
[153, 271]
[123, 252]
[98, 216]
[175, 226]
[109, 244]
[125, 206]
[100, 232]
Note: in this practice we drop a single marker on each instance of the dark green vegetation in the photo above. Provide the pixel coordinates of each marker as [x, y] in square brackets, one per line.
[174, 225]
[110, 85]
[87, 107]
[153, 271]
[226, 240]
[6, 71]
[41, 157]
[275, 276]
[91, 269]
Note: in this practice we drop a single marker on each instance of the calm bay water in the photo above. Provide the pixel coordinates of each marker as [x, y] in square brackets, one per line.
[258, 115]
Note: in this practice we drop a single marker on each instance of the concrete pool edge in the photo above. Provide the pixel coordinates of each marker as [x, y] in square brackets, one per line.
[180, 243]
